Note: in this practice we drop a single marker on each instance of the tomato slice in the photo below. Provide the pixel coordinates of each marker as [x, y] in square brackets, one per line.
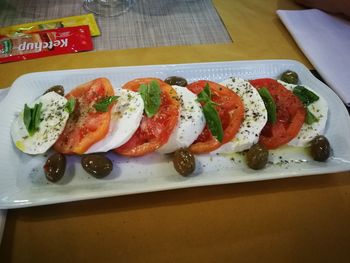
[155, 131]
[231, 112]
[290, 114]
[85, 125]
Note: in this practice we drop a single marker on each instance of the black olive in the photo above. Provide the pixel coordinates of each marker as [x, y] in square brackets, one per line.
[174, 80]
[257, 157]
[97, 165]
[184, 162]
[290, 77]
[57, 88]
[320, 148]
[55, 167]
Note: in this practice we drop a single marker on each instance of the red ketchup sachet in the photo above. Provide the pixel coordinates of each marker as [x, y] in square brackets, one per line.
[45, 43]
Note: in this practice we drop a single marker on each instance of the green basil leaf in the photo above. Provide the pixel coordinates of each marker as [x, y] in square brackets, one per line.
[269, 104]
[31, 118]
[37, 116]
[207, 90]
[205, 95]
[27, 116]
[32, 121]
[310, 118]
[306, 96]
[70, 105]
[213, 121]
[150, 94]
[102, 105]
[202, 97]
[210, 113]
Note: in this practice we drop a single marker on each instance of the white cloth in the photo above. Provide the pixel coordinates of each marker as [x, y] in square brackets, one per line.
[325, 41]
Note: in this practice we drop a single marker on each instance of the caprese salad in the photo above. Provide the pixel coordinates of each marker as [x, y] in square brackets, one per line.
[173, 117]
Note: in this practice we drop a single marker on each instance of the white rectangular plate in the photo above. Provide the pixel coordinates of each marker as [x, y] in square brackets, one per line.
[23, 182]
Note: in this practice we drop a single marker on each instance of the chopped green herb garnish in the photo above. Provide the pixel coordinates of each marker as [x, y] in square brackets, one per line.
[269, 104]
[210, 113]
[150, 94]
[70, 105]
[103, 104]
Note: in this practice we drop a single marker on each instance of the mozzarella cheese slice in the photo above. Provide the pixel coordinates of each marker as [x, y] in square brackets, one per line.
[255, 116]
[126, 116]
[190, 125]
[309, 131]
[53, 121]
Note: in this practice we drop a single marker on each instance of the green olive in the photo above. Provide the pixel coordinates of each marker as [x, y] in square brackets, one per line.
[184, 162]
[290, 77]
[55, 167]
[320, 148]
[57, 88]
[174, 80]
[257, 157]
[97, 165]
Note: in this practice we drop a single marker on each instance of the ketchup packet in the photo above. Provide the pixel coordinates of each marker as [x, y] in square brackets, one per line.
[45, 43]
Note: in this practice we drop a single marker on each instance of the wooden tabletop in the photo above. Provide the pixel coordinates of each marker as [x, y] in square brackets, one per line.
[304, 219]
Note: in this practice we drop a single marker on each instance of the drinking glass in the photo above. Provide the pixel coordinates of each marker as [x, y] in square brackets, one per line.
[108, 7]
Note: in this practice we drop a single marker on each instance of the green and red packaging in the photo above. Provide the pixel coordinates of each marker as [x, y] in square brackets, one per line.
[45, 43]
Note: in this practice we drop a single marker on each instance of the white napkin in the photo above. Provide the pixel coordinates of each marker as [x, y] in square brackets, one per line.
[3, 93]
[325, 41]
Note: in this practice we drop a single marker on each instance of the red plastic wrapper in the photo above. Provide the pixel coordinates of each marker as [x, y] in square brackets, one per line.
[45, 43]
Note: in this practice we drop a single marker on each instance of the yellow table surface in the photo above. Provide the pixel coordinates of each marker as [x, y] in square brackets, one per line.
[304, 219]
